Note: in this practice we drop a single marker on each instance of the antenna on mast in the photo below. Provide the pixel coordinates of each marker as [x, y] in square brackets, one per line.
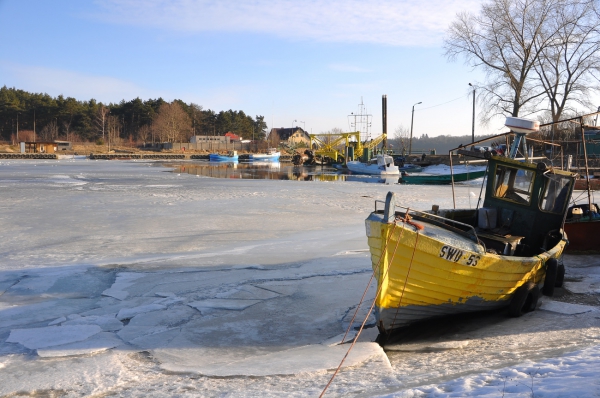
[361, 121]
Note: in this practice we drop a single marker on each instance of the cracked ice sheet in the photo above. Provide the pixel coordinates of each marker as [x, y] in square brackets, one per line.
[52, 335]
[99, 342]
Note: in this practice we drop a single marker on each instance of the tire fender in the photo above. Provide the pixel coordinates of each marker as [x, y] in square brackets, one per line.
[551, 276]
[524, 300]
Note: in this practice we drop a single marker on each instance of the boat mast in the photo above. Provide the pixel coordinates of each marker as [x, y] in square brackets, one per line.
[587, 171]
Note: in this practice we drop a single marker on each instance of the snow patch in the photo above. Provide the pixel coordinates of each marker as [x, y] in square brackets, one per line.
[312, 358]
[428, 347]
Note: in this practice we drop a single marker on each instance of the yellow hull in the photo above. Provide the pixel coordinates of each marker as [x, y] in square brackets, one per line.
[428, 273]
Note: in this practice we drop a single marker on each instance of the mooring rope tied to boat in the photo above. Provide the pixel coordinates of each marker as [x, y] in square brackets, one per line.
[364, 294]
[371, 279]
[406, 279]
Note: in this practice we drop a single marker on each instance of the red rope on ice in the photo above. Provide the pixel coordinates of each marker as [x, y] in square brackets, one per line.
[406, 279]
[370, 309]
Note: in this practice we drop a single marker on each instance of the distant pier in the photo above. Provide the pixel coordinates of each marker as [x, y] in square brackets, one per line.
[28, 156]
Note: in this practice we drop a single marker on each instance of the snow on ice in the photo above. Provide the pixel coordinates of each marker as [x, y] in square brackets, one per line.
[124, 279]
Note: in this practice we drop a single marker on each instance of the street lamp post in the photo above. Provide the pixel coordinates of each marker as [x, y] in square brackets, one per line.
[473, 123]
[411, 127]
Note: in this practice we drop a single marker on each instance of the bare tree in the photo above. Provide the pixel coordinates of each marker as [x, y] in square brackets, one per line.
[113, 130]
[567, 66]
[67, 128]
[506, 40]
[49, 132]
[172, 123]
[101, 119]
[144, 133]
[273, 139]
[402, 137]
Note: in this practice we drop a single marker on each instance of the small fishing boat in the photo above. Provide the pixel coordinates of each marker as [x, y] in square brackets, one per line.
[582, 223]
[379, 165]
[444, 262]
[272, 155]
[411, 168]
[232, 156]
[582, 226]
[582, 184]
[424, 178]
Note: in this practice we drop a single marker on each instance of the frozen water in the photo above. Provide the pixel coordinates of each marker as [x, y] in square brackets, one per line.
[51, 335]
[97, 343]
[566, 308]
[123, 279]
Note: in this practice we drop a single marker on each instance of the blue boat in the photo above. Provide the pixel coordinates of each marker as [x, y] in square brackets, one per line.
[230, 157]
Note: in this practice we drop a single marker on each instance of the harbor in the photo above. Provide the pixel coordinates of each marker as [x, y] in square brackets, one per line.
[136, 277]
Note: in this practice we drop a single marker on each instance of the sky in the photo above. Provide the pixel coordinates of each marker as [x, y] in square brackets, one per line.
[307, 63]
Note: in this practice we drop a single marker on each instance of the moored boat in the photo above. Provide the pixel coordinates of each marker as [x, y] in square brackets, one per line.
[582, 222]
[582, 226]
[232, 156]
[411, 168]
[272, 155]
[582, 184]
[444, 262]
[424, 178]
[379, 165]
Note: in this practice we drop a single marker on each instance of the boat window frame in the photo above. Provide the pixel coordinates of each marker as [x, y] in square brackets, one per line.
[564, 190]
[517, 193]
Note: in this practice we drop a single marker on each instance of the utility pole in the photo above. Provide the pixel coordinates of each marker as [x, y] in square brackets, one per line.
[411, 127]
[473, 123]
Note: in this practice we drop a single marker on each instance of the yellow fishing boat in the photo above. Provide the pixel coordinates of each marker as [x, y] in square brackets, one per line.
[443, 262]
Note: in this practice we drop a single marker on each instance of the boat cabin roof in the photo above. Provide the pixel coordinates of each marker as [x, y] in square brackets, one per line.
[382, 160]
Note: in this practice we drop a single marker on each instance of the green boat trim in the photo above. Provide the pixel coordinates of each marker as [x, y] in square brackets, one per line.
[441, 178]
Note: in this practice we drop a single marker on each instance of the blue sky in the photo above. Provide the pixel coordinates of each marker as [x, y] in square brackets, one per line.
[311, 61]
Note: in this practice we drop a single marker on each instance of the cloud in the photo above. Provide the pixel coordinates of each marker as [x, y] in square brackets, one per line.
[388, 22]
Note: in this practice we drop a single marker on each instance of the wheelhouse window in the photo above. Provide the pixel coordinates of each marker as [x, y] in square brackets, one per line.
[556, 190]
[513, 184]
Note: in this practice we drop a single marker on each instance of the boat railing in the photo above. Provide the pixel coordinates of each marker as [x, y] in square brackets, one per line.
[391, 213]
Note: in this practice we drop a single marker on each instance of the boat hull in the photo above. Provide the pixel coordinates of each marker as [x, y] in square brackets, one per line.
[372, 169]
[222, 158]
[581, 184]
[441, 178]
[265, 157]
[434, 272]
[583, 236]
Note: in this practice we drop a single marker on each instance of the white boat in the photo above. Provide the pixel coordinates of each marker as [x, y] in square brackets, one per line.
[272, 155]
[379, 165]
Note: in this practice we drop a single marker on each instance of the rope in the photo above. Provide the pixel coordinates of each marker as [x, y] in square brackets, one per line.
[406, 279]
[370, 309]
